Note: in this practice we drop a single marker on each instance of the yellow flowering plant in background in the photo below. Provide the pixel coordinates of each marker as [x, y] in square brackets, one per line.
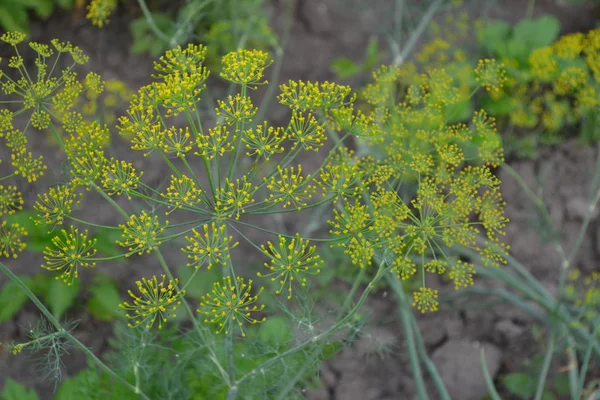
[424, 187]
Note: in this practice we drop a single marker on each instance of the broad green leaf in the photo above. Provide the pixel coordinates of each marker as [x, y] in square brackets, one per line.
[498, 107]
[43, 8]
[548, 396]
[13, 17]
[105, 241]
[493, 36]
[531, 34]
[12, 298]
[344, 67]
[15, 391]
[67, 4]
[60, 296]
[38, 235]
[372, 54]
[200, 284]
[330, 349]
[459, 111]
[561, 384]
[105, 299]
[275, 331]
[520, 384]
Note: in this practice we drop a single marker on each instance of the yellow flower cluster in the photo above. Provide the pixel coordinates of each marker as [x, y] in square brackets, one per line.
[157, 301]
[141, 233]
[290, 262]
[230, 304]
[210, 247]
[70, 252]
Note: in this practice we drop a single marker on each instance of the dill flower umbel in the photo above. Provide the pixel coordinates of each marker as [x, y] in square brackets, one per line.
[11, 200]
[210, 247]
[69, 252]
[120, 177]
[11, 239]
[231, 200]
[290, 262]
[157, 302]
[490, 74]
[425, 299]
[289, 188]
[99, 11]
[245, 67]
[54, 206]
[141, 233]
[264, 141]
[231, 303]
[182, 191]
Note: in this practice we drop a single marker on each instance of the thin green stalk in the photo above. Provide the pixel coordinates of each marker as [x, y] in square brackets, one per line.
[272, 87]
[415, 365]
[429, 365]
[238, 149]
[92, 224]
[323, 335]
[8, 176]
[189, 311]
[488, 379]
[66, 333]
[229, 355]
[545, 368]
[585, 363]
[151, 22]
[111, 201]
[530, 7]
[412, 41]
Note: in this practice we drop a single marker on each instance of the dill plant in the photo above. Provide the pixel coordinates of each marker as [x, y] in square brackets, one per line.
[425, 187]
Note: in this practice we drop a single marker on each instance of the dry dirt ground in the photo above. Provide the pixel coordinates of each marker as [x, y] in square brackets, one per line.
[322, 31]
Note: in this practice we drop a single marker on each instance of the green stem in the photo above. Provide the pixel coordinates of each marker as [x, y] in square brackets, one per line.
[545, 368]
[14, 278]
[315, 339]
[111, 201]
[409, 335]
[414, 38]
[151, 22]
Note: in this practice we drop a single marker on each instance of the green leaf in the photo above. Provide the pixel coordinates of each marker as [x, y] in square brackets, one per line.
[330, 349]
[43, 8]
[60, 296]
[344, 67]
[531, 34]
[105, 241]
[38, 236]
[12, 299]
[548, 396]
[498, 107]
[13, 17]
[459, 111]
[520, 384]
[105, 299]
[275, 331]
[372, 54]
[561, 384]
[200, 284]
[66, 4]
[15, 391]
[493, 36]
